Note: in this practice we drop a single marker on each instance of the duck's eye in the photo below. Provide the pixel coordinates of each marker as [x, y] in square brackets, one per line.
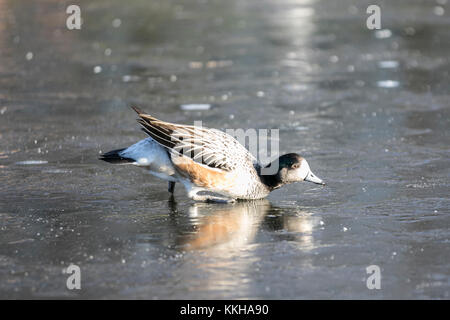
[295, 166]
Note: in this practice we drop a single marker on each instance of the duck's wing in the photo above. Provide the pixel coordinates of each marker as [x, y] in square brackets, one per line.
[194, 146]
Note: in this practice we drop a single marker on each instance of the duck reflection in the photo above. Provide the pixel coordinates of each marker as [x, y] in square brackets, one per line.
[295, 225]
[224, 227]
[229, 227]
[225, 247]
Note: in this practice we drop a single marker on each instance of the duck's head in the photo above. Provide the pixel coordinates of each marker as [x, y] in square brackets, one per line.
[291, 168]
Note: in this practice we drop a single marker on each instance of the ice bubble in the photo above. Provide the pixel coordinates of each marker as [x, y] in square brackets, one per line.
[438, 10]
[383, 34]
[388, 84]
[388, 64]
[97, 69]
[130, 78]
[195, 107]
[31, 162]
[116, 23]
[334, 59]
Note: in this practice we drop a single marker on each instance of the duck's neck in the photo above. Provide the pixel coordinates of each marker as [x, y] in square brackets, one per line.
[271, 181]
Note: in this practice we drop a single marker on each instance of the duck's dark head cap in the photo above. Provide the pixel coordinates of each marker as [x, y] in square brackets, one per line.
[290, 160]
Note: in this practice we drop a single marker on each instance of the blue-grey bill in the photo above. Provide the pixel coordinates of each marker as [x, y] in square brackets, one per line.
[314, 179]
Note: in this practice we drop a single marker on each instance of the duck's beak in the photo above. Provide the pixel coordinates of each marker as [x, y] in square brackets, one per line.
[312, 178]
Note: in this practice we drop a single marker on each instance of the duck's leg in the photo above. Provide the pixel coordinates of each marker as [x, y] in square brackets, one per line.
[171, 186]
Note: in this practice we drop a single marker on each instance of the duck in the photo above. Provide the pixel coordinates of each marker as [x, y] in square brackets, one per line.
[211, 164]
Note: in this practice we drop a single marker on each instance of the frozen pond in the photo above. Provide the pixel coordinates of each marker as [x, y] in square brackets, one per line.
[369, 110]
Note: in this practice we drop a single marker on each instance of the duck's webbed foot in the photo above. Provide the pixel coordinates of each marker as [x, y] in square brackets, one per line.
[209, 198]
[219, 199]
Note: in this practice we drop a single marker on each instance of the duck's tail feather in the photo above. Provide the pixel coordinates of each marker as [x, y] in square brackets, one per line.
[115, 157]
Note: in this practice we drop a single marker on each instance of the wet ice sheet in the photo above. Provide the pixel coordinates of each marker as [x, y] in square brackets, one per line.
[309, 68]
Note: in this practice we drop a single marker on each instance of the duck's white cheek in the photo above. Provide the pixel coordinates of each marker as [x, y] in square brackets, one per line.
[304, 170]
[297, 175]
